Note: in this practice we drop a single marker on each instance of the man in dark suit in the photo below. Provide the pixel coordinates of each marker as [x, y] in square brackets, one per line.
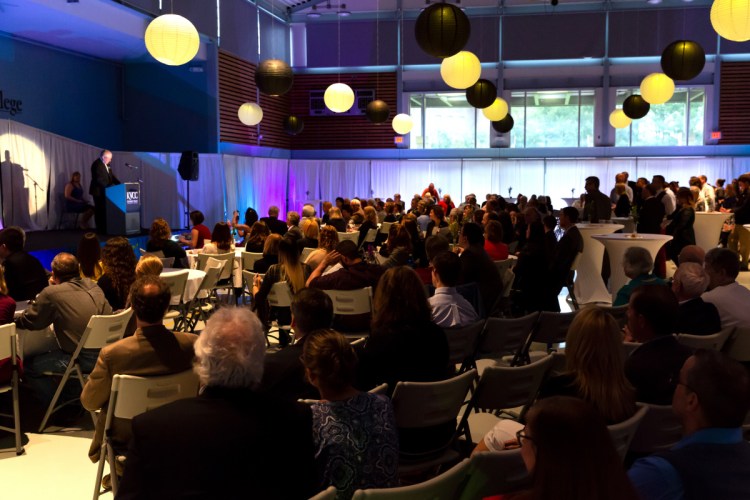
[477, 267]
[101, 178]
[568, 248]
[24, 274]
[597, 204]
[272, 221]
[653, 368]
[651, 213]
[695, 317]
[231, 441]
[284, 374]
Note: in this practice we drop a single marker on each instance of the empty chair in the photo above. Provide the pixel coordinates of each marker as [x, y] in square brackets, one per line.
[462, 342]
[659, 430]
[715, 341]
[551, 329]
[176, 280]
[250, 258]
[200, 307]
[352, 303]
[9, 350]
[446, 486]
[504, 336]
[385, 228]
[623, 433]
[226, 277]
[167, 262]
[495, 473]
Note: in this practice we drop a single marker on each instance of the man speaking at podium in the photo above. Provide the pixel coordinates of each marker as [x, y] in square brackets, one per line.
[101, 178]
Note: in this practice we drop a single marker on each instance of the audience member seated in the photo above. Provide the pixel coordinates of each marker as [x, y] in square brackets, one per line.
[653, 366]
[275, 225]
[118, 262]
[75, 202]
[493, 241]
[290, 270]
[356, 442]
[695, 316]
[422, 217]
[730, 298]
[159, 241]
[292, 225]
[397, 248]
[67, 304]
[89, 255]
[370, 222]
[477, 267]
[199, 234]
[550, 238]
[257, 237]
[24, 274]
[310, 234]
[148, 265]
[391, 212]
[222, 240]
[638, 265]
[417, 243]
[327, 242]
[692, 253]
[336, 220]
[438, 225]
[712, 460]
[449, 308]
[231, 439]
[152, 350]
[270, 254]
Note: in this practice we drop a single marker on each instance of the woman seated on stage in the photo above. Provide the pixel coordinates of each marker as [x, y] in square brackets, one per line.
[89, 255]
[199, 234]
[270, 254]
[160, 241]
[118, 262]
[221, 240]
[74, 201]
[327, 242]
[257, 237]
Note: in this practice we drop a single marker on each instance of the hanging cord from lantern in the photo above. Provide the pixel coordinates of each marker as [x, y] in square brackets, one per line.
[377, 49]
[339, 45]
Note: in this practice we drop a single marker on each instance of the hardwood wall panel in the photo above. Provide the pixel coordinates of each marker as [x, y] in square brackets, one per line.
[734, 103]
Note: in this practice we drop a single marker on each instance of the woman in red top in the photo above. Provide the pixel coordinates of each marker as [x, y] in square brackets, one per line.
[493, 241]
[199, 234]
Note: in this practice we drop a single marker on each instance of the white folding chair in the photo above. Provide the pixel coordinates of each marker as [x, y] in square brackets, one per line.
[352, 303]
[249, 259]
[446, 486]
[385, 228]
[370, 237]
[620, 313]
[502, 337]
[132, 396]
[9, 349]
[100, 331]
[715, 341]
[495, 472]
[167, 262]
[158, 253]
[622, 434]
[177, 281]
[462, 342]
[348, 236]
[200, 306]
[660, 429]
[226, 278]
[306, 253]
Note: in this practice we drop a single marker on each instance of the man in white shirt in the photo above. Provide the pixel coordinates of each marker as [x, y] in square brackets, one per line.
[664, 194]
[708, 193]
[449, 308]
[621, 178]
[729, 297]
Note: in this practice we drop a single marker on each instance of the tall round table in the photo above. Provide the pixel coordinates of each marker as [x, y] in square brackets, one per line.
[707, 227]
[617, 244]
[628, 222]
[589, 286]
[570, 201]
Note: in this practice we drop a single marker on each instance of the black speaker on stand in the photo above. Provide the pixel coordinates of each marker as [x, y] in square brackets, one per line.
[188, 170]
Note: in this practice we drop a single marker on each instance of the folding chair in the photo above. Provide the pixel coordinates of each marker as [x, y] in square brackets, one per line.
[176, 280]
[381, 389]
[132, 396]
[499, 389]
[504, 336]
[226, 278]
[9, 349]
[306, 253]
[348, 236]
[64, 212]
[622, 434]
[352, 303]
[659, 430]
[200, 306]
[463, 342]
[100, 331]
[446, 486]
[249, 259]
[738, 345]
[370, 237]
[279, 296]
[167, 262]
[715, 342]
[551, 329]
[425, 404]
[495, 472]
[620, 313]
[385, 228]
[158, 253]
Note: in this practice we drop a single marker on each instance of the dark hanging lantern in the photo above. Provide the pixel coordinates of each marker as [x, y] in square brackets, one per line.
[377, 111]
[442, 30]
[635, 107]
[503, 126]
[274, 77]
[683, 60]
[481, 94]
[293, 125]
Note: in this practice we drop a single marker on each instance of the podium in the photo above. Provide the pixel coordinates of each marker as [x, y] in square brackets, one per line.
[124, 208]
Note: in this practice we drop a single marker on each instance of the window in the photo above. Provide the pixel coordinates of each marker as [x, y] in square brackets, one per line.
[552, 119]
[677, 122]
[447, 120]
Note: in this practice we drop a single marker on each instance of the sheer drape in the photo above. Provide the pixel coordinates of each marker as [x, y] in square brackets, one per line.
[347, 178]
[681, 169]
[255, 182]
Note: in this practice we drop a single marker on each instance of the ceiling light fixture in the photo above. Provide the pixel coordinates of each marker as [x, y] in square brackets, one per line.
[314, 12]
[343, 12]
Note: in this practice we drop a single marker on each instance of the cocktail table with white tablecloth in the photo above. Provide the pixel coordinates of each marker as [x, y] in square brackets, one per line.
[707, 227]
[617, 244]
[628, 222]
[589, 286]
[194, 280]
[192, 256]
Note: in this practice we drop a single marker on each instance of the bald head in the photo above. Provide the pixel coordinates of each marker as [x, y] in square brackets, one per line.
[64, 267]
[692, 253]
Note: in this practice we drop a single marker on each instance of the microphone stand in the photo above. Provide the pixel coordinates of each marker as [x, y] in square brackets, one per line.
[36, 186]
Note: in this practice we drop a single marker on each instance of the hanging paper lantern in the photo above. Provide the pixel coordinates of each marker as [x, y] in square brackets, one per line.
[618, 119]
[377, 111]
[635, 107]
[274, 77]
[172, 39]
[481, 94]
[293, 125]
[657, 88]
[402, 123]
[250, 113]
[497, 110]
[683, 60]
[503, 126]
[442, 29]
[731, 19]
[461, 71]
[339, 97]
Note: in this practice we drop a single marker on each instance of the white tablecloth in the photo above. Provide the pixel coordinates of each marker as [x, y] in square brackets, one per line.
[628, 222]
[589, 286]
[617, 244]
[707, 229]
[192, 256]
[194, 280]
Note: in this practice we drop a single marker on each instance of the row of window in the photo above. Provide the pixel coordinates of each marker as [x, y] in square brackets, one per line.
[545, 119]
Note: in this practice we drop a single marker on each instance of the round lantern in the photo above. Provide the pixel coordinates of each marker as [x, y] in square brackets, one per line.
[635, 107]
[618, 119]
[481, 94]
[377, 111]
[505, 125]
[172, 39]
[250, 113]
[461, 71]
[402, 123]
[731, 19]
[497, 110]
[274, 77]
[657, 88]
[293, 125]
[339, 97]
[683, 60]
[442, 29]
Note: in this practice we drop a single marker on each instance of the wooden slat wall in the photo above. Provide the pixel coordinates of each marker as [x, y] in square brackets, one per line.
[342, 132]
[734, 103]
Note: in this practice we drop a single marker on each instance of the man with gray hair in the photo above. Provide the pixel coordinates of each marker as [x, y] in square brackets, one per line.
[638, 265]
[695, 316]
[229, 441]
[292, 225]
[272, 221]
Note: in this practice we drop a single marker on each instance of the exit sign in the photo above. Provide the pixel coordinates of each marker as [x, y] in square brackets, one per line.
[398, 139]
[716, 135]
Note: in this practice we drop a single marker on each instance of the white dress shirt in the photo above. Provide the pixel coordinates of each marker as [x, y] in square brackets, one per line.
[450, 309]
[732, 302]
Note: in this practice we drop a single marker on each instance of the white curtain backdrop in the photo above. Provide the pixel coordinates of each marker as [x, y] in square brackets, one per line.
[255, 182]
